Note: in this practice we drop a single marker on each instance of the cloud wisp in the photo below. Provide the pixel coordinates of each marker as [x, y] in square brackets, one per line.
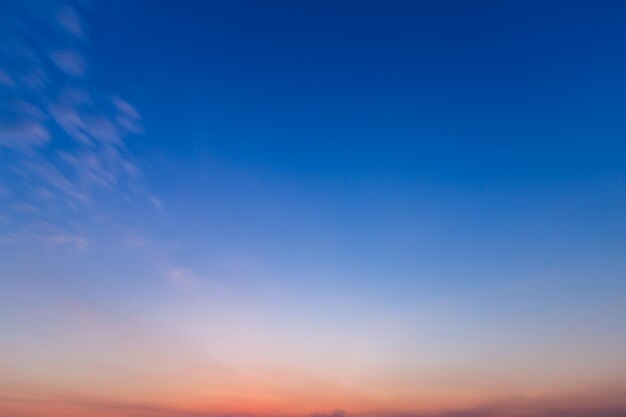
[63, 142]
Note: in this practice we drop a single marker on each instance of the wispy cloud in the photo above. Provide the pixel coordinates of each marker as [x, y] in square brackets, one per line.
[69, 19]
[70, 61]
[183, 276]
[59, 134]
[6, 80]
[49, 236]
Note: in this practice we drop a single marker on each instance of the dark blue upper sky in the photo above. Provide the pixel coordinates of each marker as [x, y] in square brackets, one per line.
[452, 91]
[412, 133]
[465, 123]
[502, 121]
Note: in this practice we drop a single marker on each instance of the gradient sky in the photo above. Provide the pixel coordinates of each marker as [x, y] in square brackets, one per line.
[312, 208]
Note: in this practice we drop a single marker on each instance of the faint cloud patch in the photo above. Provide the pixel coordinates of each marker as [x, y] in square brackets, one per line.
[55, 241]
[69, 61]
[135, 242]
[22, 125]
[23, 134]
[182, 276]
[6, 80]
[49, 236]
[69, 20]
[156, 201]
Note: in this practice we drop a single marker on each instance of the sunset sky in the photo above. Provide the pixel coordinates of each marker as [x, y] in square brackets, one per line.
[312, 208]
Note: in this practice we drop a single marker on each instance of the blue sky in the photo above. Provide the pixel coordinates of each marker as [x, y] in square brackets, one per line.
[408, 207]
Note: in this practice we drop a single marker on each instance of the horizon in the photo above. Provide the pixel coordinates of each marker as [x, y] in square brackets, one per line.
[312, 208]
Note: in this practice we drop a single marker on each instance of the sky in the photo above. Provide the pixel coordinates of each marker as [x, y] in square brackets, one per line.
[312, 208]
